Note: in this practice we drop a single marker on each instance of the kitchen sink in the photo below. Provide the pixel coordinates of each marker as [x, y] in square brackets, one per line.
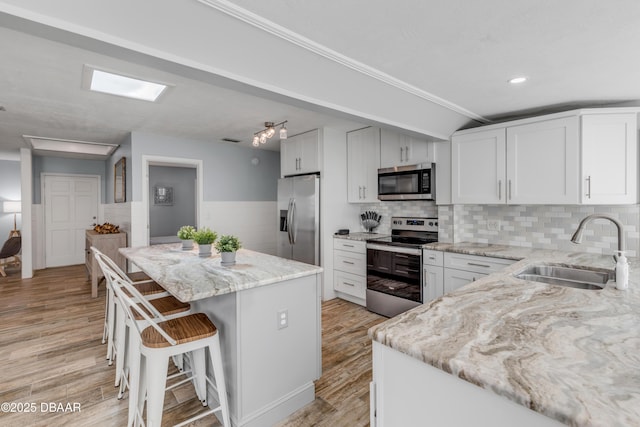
[573, 277]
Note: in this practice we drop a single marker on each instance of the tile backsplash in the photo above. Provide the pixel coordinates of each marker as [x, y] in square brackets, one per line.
[536, 226]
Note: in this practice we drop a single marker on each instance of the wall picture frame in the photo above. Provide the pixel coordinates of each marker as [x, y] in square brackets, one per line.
[163, 195]
[119, 181]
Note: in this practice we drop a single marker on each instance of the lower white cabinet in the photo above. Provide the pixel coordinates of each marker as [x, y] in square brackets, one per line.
[461, 269]
[350, 269]
[454, 279]
[432, 275]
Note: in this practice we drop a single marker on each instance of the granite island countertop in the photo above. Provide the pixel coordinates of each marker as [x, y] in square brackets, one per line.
[189, 277]
[570, 354]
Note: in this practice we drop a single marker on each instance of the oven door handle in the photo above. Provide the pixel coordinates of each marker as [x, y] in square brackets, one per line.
[396, 249]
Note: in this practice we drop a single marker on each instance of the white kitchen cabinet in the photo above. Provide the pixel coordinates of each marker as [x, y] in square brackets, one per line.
[461, 269]
[454, 279]
[397, 149]
[433, 275]
[609, 158]
[543, 162]
[300, 154]
[363, 161]
[577, 157]
[478, 167]
[350, 269]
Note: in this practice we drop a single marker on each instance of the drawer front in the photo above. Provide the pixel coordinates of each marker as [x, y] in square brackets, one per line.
[350, 245]
[431, 257]
[478, 264]
[349, 283]
[350, 262]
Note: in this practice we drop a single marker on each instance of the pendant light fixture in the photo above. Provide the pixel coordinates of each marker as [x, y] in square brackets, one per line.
[268, 132]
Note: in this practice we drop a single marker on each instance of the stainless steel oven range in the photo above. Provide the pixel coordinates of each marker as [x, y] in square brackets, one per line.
[394, 265]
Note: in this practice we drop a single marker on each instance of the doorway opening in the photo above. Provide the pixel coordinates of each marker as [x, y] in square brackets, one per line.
[171, 197]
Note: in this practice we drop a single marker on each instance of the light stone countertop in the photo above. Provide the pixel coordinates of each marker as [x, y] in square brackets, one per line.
[189, 277]
[359, 236]
[570, 354]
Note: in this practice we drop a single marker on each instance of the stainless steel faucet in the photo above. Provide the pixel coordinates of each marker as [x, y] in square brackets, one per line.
[577, 236]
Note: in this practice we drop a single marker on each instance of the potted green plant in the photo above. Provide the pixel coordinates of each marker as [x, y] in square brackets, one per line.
[185, 233]
[204, 237]
[227, 245]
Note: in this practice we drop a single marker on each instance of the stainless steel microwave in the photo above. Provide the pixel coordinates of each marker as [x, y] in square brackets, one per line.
[415, 182]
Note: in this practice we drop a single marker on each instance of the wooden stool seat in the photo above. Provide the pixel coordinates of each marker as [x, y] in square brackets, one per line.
[138, 276]
[182, 329]
[149, 288]
[167, 306]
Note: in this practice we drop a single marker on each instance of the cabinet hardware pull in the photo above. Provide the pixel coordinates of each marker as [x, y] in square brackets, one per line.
[589, 186]
[348, 246]
[364, 192]
[401, 156]
[509, 189]
[499, 189]
[478, 265]
[347, 262]
[432, 257]
[300, 163]
[348, 284]
[406, 153]
[360, 192]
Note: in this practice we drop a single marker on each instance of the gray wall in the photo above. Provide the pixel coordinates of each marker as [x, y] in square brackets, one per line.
[66, 166]
[229, 174]
[124, 150]
[166, 220]
[9, 190]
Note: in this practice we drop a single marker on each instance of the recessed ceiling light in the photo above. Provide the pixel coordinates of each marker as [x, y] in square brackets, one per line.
[71, 147]
[118, 84]
[517, 80]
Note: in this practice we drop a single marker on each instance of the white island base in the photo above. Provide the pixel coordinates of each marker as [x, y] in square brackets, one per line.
[408, 392]
[270, 370]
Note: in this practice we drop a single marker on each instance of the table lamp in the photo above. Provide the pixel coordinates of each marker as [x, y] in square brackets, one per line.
[14, 207]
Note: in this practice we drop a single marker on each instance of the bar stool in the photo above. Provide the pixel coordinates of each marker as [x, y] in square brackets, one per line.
[152, 346]
[141, 281]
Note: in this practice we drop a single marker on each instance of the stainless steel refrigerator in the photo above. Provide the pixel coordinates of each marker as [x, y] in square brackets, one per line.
[299, 218]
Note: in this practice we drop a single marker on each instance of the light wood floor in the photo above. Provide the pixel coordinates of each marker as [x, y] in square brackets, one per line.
[51, 352]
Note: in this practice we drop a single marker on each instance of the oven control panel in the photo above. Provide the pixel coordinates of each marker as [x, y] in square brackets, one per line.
[417, 224]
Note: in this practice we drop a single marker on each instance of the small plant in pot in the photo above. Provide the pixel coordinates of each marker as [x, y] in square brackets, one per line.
[227, 245]
[185, 233]
[204, 238]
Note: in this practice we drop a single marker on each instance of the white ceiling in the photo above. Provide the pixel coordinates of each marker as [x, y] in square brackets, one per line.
[575, 52]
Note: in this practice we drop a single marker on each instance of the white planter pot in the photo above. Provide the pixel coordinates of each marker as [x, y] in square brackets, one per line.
[187, 244]
[204, 250]
[228, 258]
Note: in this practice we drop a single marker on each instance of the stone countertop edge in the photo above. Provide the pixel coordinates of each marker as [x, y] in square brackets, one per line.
[359, 236]
[570, 354]
[189, 277]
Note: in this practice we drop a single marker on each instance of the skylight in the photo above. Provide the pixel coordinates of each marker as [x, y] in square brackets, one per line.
[117, 84]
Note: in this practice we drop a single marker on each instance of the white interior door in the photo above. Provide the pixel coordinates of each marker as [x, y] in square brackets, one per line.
[70, 208]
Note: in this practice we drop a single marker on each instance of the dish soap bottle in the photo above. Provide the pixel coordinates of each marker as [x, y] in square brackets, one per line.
[622, 271]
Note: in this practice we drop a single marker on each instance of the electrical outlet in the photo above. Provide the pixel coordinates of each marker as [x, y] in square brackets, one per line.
[493, 225]
[283, 319]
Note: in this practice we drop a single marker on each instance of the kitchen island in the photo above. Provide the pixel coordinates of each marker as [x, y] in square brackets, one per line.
[503, 351]
[270, 366]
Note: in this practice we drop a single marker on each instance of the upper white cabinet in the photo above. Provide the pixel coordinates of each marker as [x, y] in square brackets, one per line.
[363, 161]
[609, 158]
[542, 162]
[397, 149]
[554, 159]
[300, 154]
[478, 167]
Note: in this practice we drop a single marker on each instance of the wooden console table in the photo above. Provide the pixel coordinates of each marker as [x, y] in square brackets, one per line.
[108, 244]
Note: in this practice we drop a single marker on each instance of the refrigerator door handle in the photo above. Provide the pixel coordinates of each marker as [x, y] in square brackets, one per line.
[293, 225]
[290, 221]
